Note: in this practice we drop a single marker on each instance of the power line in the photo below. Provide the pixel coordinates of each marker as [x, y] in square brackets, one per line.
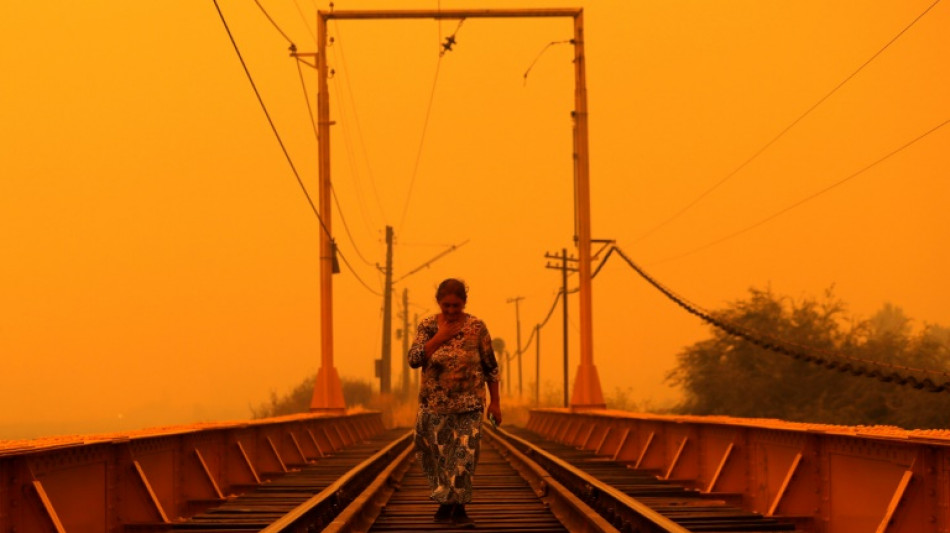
[537, 57]
[785, 130]
[305, 22]
[270, 121]
[356, 117]
[842, 363]
[544, 322]
[425, 126]
[346, 227]
[446, 47]
[264, 11]
[332, 189]
[306, 97]
[352, 161]
[284, 148]
[357, 276]
[807, 198]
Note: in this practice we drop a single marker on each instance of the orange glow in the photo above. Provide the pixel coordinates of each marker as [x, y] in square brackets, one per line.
[160, 262]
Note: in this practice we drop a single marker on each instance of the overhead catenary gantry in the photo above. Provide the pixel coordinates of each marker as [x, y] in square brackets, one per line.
[587, 393]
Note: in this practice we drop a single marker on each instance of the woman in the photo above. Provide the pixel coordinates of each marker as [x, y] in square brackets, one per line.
[455, 352]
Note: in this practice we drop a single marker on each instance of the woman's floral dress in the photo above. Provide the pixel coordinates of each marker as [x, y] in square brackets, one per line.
[451, 402]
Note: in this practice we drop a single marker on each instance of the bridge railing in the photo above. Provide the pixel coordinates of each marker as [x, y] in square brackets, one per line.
[159, 476]
[829, 479]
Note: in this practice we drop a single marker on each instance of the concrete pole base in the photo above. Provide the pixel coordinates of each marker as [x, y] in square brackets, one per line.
[587, 393]
[328, 391]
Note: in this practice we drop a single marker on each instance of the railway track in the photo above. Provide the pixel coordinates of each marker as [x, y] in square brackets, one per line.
[378, 486]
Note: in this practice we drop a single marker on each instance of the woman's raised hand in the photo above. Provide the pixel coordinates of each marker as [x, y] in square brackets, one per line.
[448, 329]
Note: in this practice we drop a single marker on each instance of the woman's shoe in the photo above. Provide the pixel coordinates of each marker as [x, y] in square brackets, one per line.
[445, 513]
[461, 519]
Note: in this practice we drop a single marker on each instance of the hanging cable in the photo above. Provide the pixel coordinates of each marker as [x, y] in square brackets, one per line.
[346, 227]
[357, 276]
[264, 11]
[785, 130]
[352, 161]
[306, 97]
[332, 188]
[856, 366]
[446, 47]
[305, 21]
[293, 168]
[557, 297]
[450, 249]
[270, 121]
[356, 117]
[536, 58]
[425, 127]
[806, 199]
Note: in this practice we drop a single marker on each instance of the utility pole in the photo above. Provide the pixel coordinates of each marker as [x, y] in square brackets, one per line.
[384, 364]
[587, 392]
[516, 300]
[415, 327]
[564, 270]
[537, 365]
[328, 389]
[405, 342]
[508, 358]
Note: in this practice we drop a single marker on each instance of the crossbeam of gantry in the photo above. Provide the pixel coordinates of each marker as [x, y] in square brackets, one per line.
[587, 393]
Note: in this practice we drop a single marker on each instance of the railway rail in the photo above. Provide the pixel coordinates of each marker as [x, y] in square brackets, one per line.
[378, 486]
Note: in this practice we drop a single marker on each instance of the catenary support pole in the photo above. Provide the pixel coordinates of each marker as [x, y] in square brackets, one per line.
[587, 392]
[328, 390]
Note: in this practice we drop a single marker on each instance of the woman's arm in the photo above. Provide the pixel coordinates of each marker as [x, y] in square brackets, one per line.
[492, 373]
[494, 408]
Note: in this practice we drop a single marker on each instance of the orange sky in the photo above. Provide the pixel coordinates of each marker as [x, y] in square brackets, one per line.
[159, 260]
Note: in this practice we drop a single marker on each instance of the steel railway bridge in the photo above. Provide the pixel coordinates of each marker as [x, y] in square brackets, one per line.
[567, 470]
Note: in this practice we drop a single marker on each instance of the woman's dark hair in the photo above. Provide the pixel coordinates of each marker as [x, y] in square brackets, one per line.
[452, 286]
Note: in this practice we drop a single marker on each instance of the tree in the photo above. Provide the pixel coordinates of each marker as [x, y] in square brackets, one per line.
[726, 375]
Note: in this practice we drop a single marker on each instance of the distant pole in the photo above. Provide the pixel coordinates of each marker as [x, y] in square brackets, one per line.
[385, 362]
[564, 269]
[405, 342]
[537, 365]
[507, 358]
[415, 327]
[564, 304]
[516, 301]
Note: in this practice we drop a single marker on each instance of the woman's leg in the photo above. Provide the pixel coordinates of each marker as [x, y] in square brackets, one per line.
[448, 447]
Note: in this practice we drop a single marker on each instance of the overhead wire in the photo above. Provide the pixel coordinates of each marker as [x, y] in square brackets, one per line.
[425, 127]
[346, 226]
[338, 41]
[306, 97]
[807, 198]
[273, 23]
[336, 199]
[557, 298]
[449, 42]
[351, 159]
[887, 372]
[537, 57]
[283, 147]
[786, 129]
[270, 121]
[305, 21]
[357, 276]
